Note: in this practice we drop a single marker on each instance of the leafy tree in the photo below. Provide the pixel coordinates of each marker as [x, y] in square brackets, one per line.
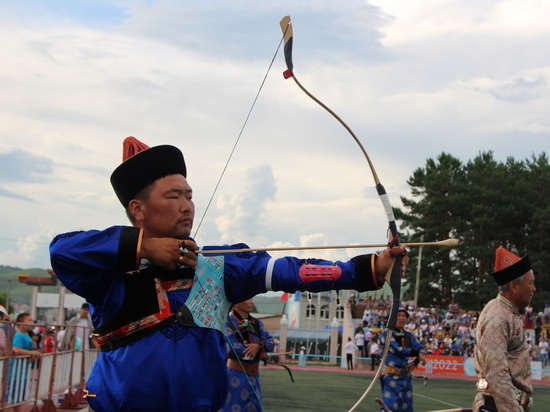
[438, 188]
[485, 204]
[493, 217]
[539, 226]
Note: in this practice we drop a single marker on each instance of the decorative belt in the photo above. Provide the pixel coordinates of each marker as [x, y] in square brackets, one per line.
[251, 369]
[397, 371]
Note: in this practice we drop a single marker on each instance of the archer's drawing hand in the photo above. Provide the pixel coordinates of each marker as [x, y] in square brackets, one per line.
[168, 252]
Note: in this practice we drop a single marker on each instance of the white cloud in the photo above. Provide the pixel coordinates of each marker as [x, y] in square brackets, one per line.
[412, 79]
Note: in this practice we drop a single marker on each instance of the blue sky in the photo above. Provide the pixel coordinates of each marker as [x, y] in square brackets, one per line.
[412, 79]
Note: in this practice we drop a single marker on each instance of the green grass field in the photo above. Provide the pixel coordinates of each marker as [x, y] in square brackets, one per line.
[338, 392]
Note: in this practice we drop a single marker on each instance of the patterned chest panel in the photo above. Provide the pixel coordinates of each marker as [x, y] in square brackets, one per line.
[207, 301]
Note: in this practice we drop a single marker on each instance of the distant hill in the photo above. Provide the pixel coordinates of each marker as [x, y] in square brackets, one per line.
[7, 269]
[20, 292]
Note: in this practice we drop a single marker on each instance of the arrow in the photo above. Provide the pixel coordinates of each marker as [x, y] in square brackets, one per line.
[443, 243]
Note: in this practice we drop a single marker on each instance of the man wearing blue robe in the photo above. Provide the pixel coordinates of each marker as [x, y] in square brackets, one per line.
[158, 306]
[249, 342]
[397, 390]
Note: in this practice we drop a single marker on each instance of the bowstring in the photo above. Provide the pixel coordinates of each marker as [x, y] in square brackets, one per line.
[238, 137]
[230, 344]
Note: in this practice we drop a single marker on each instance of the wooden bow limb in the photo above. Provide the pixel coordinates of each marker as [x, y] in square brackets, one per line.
[376, 375]
[282, 365]
[444, 243]
[395, 277]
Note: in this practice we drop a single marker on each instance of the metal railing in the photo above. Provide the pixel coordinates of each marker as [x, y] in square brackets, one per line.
[56, 380]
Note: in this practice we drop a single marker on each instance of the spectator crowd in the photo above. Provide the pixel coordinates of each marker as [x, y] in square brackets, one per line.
[444, 328]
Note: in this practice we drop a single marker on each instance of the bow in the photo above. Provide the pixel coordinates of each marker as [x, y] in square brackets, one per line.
[272, 362]
[394, 275]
